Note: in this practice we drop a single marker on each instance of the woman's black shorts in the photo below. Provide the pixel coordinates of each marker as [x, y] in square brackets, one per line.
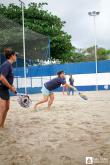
[4, 93]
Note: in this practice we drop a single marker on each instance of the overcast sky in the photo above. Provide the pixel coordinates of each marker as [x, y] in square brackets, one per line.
[78, 23]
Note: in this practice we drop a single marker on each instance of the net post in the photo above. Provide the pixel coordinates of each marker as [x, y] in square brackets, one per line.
[49, 47]
[49, 52]
[24, 47]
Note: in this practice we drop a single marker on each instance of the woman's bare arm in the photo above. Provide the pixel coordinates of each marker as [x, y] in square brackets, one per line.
[6, 83]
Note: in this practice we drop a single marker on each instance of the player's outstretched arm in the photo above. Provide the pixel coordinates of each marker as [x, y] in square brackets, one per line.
[69, 86]
[64, 89]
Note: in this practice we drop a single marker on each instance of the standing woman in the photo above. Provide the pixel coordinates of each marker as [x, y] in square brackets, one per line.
[71, 82]
[6, 83]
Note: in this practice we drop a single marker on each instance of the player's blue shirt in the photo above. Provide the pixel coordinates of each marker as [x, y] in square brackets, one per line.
[6, 70]
[55, 83]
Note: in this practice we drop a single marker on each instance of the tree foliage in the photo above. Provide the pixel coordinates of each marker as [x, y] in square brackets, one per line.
[102, 53]
[44, 22]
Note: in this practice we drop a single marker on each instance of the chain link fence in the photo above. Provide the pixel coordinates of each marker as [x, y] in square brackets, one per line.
[37, 46]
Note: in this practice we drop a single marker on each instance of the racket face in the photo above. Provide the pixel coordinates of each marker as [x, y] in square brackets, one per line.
[83, 96]
[24, 101]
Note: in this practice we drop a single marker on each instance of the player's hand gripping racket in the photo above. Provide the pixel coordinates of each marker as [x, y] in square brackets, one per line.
[84, 97]
[24, 100]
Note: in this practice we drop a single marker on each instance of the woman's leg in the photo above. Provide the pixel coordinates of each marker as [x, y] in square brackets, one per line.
[6, 111]
[2, 111]
[45, 99]
[72, 91]
[51, 99]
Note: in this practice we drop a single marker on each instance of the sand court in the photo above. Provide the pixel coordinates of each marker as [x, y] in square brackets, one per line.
[73, 130]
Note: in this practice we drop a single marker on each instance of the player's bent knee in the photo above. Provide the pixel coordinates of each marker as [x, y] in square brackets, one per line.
[46, 99]
[52, 98]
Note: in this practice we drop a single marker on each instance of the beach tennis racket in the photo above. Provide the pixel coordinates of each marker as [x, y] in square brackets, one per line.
[84, 97]
[23, 100]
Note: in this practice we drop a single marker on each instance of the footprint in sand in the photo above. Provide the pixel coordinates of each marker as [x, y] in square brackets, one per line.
[107, 127]
[49, 148]
[57, 127]
[96, 115]
[34, 118]
[68, 123]
[45, 161]
[65, 160]
[85, 122]
[53, 140]
[35, 122]
[21, 160]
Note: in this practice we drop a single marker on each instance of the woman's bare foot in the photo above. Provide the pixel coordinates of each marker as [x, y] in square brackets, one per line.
[1, 127]
[48, 110]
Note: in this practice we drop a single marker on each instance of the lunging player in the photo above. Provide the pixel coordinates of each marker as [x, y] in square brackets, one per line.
[49, 87]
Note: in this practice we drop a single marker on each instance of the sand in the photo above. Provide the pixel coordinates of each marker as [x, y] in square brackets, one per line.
[73, 130]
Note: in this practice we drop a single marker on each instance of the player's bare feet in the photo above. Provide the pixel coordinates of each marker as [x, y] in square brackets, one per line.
[48, 110]
[1, 127]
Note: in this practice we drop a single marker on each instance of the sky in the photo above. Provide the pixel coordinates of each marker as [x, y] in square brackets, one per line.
[78, 23]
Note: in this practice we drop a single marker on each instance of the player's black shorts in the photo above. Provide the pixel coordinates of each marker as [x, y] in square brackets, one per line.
[4, 93]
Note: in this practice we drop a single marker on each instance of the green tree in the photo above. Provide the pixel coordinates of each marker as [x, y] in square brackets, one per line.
[102, 53]
[42, 21]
